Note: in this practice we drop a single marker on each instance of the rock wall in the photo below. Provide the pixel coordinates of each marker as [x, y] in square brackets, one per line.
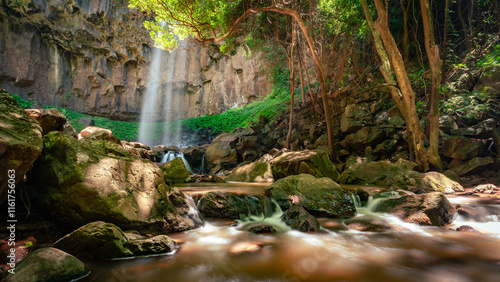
[95, 57]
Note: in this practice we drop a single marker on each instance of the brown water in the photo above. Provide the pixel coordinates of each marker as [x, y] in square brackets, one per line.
[220, 251]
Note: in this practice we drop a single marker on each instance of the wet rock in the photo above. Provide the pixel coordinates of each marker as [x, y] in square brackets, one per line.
[159, 151]
[101, 240]
[462, 148]
[195, 155]
[175, 171]
[316, 163]
[50, 119]
[253, 172]
[434, 181]
[230, 205]
[262, 229]
[222, 152]
[473, 166]
[299, 219]
[245, 248]
[423, 209]
[48, 264]
[383, 173]
[484, 188]
[467, 229]
[366, 136]
[319, 196]
[354, 118]
[476, 213]
[369, 224]
[81, 182]
[20, 143]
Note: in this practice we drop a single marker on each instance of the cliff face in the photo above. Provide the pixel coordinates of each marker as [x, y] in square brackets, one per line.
[95, 57]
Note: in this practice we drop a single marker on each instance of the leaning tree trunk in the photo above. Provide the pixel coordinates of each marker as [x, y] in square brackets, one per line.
[406, 102]
[435, 65]
[292, 90]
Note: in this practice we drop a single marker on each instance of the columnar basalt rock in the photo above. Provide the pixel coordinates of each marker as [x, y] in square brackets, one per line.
[94, 57]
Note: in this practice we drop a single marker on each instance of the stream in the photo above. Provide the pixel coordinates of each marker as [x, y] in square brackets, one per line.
[222, 251]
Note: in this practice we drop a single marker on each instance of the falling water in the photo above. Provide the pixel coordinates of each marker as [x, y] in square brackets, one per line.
[169, 156]
[146, 125]
[163, 102]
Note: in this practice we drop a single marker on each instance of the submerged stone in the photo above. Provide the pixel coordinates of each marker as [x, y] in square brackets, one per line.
[299, 219]
[423, 209]
[230, 205]
[319, 196]
[100, 240]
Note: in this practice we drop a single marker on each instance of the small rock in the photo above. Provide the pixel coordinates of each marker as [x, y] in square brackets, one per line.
[467, 229]
[299, 219]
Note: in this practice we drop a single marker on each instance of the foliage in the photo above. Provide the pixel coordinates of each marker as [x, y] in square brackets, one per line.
[492, 59]
[474, 105]
[176, 20]
[270, 107]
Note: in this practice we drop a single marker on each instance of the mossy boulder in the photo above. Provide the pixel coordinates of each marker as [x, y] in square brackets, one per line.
[230, 205]
[101, 240]
[382, 173]
[462, 148]
[222, 152]
[81, 182]
[423, 209]
[175, 171]
[315, 163]
[48, 265]
[20, 142]
[252, 172]
[319, 196]
[472, 166]
[299, 219]
[434, 181]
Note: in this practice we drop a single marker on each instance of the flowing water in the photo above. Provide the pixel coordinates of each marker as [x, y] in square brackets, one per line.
[223, 251]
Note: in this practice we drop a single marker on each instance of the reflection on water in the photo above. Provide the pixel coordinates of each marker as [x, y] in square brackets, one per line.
[221, 251]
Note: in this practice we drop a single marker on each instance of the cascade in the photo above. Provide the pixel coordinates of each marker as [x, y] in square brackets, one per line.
[170, 155]
[162, 105]
[146, 127]
[271, 215]
[194, 213]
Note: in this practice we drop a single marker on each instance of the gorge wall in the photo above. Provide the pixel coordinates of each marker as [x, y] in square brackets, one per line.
[95, 57]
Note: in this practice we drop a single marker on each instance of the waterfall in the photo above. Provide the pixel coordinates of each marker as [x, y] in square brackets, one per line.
[171, 155]
[146, 126]
[163, 100]
[193, 213]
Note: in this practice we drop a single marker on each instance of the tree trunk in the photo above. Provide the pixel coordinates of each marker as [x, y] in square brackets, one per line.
[301, 76]
[406, 103]
[435, 65]
[406, 52]
[292, 89]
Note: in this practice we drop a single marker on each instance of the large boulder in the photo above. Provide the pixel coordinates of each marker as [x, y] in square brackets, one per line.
[96, 133]
[230, 205]
[50, 119]
[366, 136]
[252, 172]
[222, 153]
[48, 265]
[81, 182]
[434, 181]
[354, 118]
[316, 163]
[319, 196]
[423, 209]
[462, 148]
[299, 219]
[20, 143]
[383, 173]
[101, 240]
[481, 130]
[472, 166]
[175, 171]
